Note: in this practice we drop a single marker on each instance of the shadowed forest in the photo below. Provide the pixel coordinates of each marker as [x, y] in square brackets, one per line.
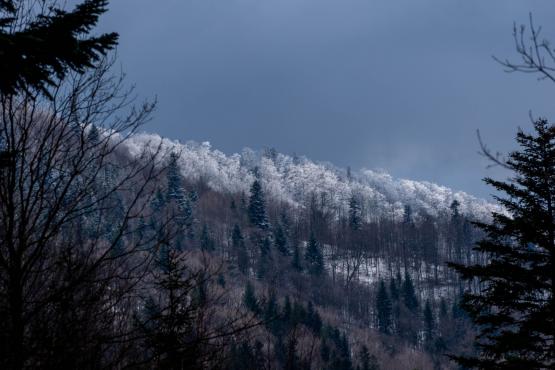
[124, 250]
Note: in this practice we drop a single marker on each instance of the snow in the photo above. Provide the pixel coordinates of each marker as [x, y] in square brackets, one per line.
[296, 180]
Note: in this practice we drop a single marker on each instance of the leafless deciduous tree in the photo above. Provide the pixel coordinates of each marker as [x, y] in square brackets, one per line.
[70, 198]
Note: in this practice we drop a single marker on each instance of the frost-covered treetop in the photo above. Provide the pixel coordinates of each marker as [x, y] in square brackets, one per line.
[297, 180]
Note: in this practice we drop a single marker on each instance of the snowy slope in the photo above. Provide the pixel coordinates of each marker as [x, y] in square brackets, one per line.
[295, 180]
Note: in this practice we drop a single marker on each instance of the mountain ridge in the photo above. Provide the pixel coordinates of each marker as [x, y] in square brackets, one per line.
[294, 180]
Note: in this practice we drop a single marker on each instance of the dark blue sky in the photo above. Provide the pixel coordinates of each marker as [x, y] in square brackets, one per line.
[398, 85]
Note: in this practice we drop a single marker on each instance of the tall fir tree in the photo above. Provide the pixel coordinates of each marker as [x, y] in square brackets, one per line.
[240, 250]
[176, 193]
[383, 309]
[280, 241]
[41, 43]
[206, 241]
[355, 217]
[249, 299]
[257, 206]
[313, 256]
[429, 324]
[296, 259]
[409, 294]
[514, 303]
[264, 258]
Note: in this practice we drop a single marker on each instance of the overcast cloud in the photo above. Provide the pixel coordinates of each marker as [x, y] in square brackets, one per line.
[398, 85]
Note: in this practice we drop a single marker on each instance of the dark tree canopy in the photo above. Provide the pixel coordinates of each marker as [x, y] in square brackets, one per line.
[514, 305]
[383, 309]
[313, 256]
[257, 206]
[45, 47]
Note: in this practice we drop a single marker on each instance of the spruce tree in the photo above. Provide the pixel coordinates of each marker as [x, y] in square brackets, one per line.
[408, 294]
[249, 299]
[239, 249]
[170, 323]
[429, 324]
[280, 241]
[175, 190]
[257, 206]
[367, 361]
[52, 42]
[355, 219]
[296, 260]
[206, 242]
[313, 256]
[264, 258]
[383, 309]
[514, 304]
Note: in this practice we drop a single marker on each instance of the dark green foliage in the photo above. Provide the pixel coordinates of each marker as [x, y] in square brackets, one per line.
[183, 202]
[455, 213]
[341, 357]
[367, 361]
[249, 299]
[296, 260]
[313, 257]
[271, 314]
[408, 294]
[429, 324]
[175, 190]
[239, 249]
[257, 206]
[49, 46]
[280, 241]
[206, 242]
[93, 136]
[383, 309]
[287, 311]
[158, 201]
[355, 219]
[168, 322]
[394, 288]
[264, 258]
[514, 306]
[407, 215]
[246, 357]
[313, 319]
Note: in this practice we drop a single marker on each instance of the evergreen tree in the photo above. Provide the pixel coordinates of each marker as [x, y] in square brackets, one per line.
[170, 323]
[296, 260]
[313, 256]
[514, 306]
[355, 218]
[271, 314]
[49, 44]
[408, 293]
[313, 319]
[280, 241]
[257, 206]
[249, 299]
[429, 324]
[383, 309]
[175, 190]
[287, 312]
[367, 361]
[264, 258]
[176, 193]
[206, 242]
[394, 288]
[93, 136]
[238, 245]
[395, 301]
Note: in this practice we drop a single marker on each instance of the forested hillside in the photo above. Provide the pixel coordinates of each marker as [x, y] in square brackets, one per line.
[121, 249]
[361, 252]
